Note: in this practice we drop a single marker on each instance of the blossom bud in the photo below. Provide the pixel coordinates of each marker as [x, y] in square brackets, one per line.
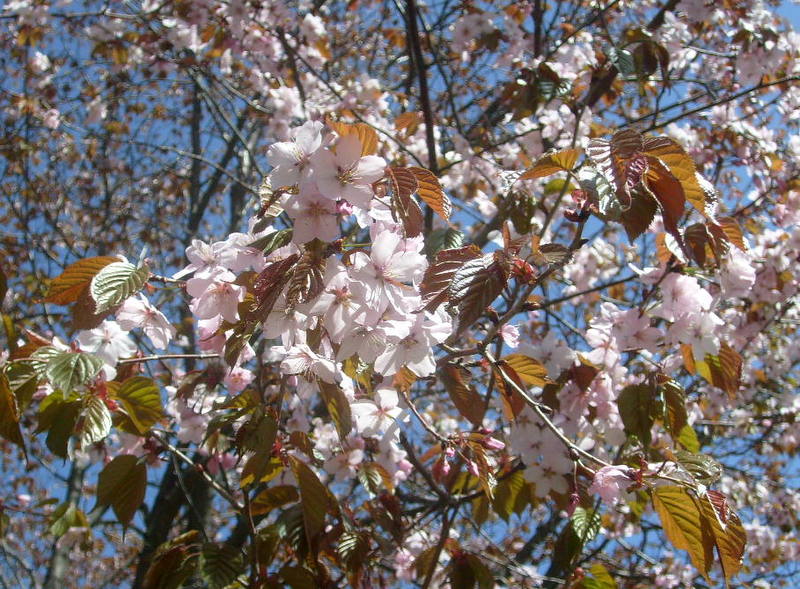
[441, 469]
[574, 499]
[492, 443]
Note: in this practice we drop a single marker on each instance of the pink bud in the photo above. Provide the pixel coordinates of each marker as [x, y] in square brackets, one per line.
[574, 499]
[441, 469]
[492, 444]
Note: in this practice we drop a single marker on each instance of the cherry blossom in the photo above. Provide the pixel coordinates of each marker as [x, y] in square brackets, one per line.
[344, 173]
[138, 312]
[375, 417]
[610, 482]
[300, 359]
[334, 390]
[313, 216]
[215, 295]
[108, 341]
[290, 159]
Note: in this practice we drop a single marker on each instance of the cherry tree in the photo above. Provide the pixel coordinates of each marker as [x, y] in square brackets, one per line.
[318, 294]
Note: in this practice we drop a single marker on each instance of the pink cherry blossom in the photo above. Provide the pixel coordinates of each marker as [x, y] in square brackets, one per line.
[340, 309]
[237, 379]
[680, 295]
[737, 274]
[215, 296]
[510, 335]
[108, 341]
[344, 174]
[138, 312]
[374, 417]
[300, 359]
[610, 482]
[314, 217]
[415, 351]
[385, 272]
[290, 159]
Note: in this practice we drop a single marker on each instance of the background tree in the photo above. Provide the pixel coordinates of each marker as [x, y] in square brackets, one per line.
[514, 305]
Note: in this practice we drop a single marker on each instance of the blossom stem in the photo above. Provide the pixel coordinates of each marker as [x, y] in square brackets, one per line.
[421, 419]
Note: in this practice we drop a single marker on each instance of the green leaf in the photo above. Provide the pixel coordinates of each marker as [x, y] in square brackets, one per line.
[637, 408]
[375, 478]
[601, 192]
[443, 239]
[40, 358]
[688, 439]
[552, 162]
[703, 468]
[9, 414]
[22, 381]
[352, 549]
[66, 516]
[298, 577]
[115, 283]
[68, 370]
[272, 241]
[140, 397]
[75, 278]
[261, 467]
[272, 498]
[623, 59]
[480, 509]
[220, 564]
[290, 528]
[582, 528]
[586, 524]
[338, 407]
[58, 417]
[505, 494]
[122, 484]
[425, 561]
[316, 499]
[258, 433]
[240, 337]
[685, 526]
[520, 209]
[96, 422]
[675, 416]
[600, 578]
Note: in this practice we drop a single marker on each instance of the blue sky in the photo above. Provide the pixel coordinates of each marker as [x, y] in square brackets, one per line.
[791, 10]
